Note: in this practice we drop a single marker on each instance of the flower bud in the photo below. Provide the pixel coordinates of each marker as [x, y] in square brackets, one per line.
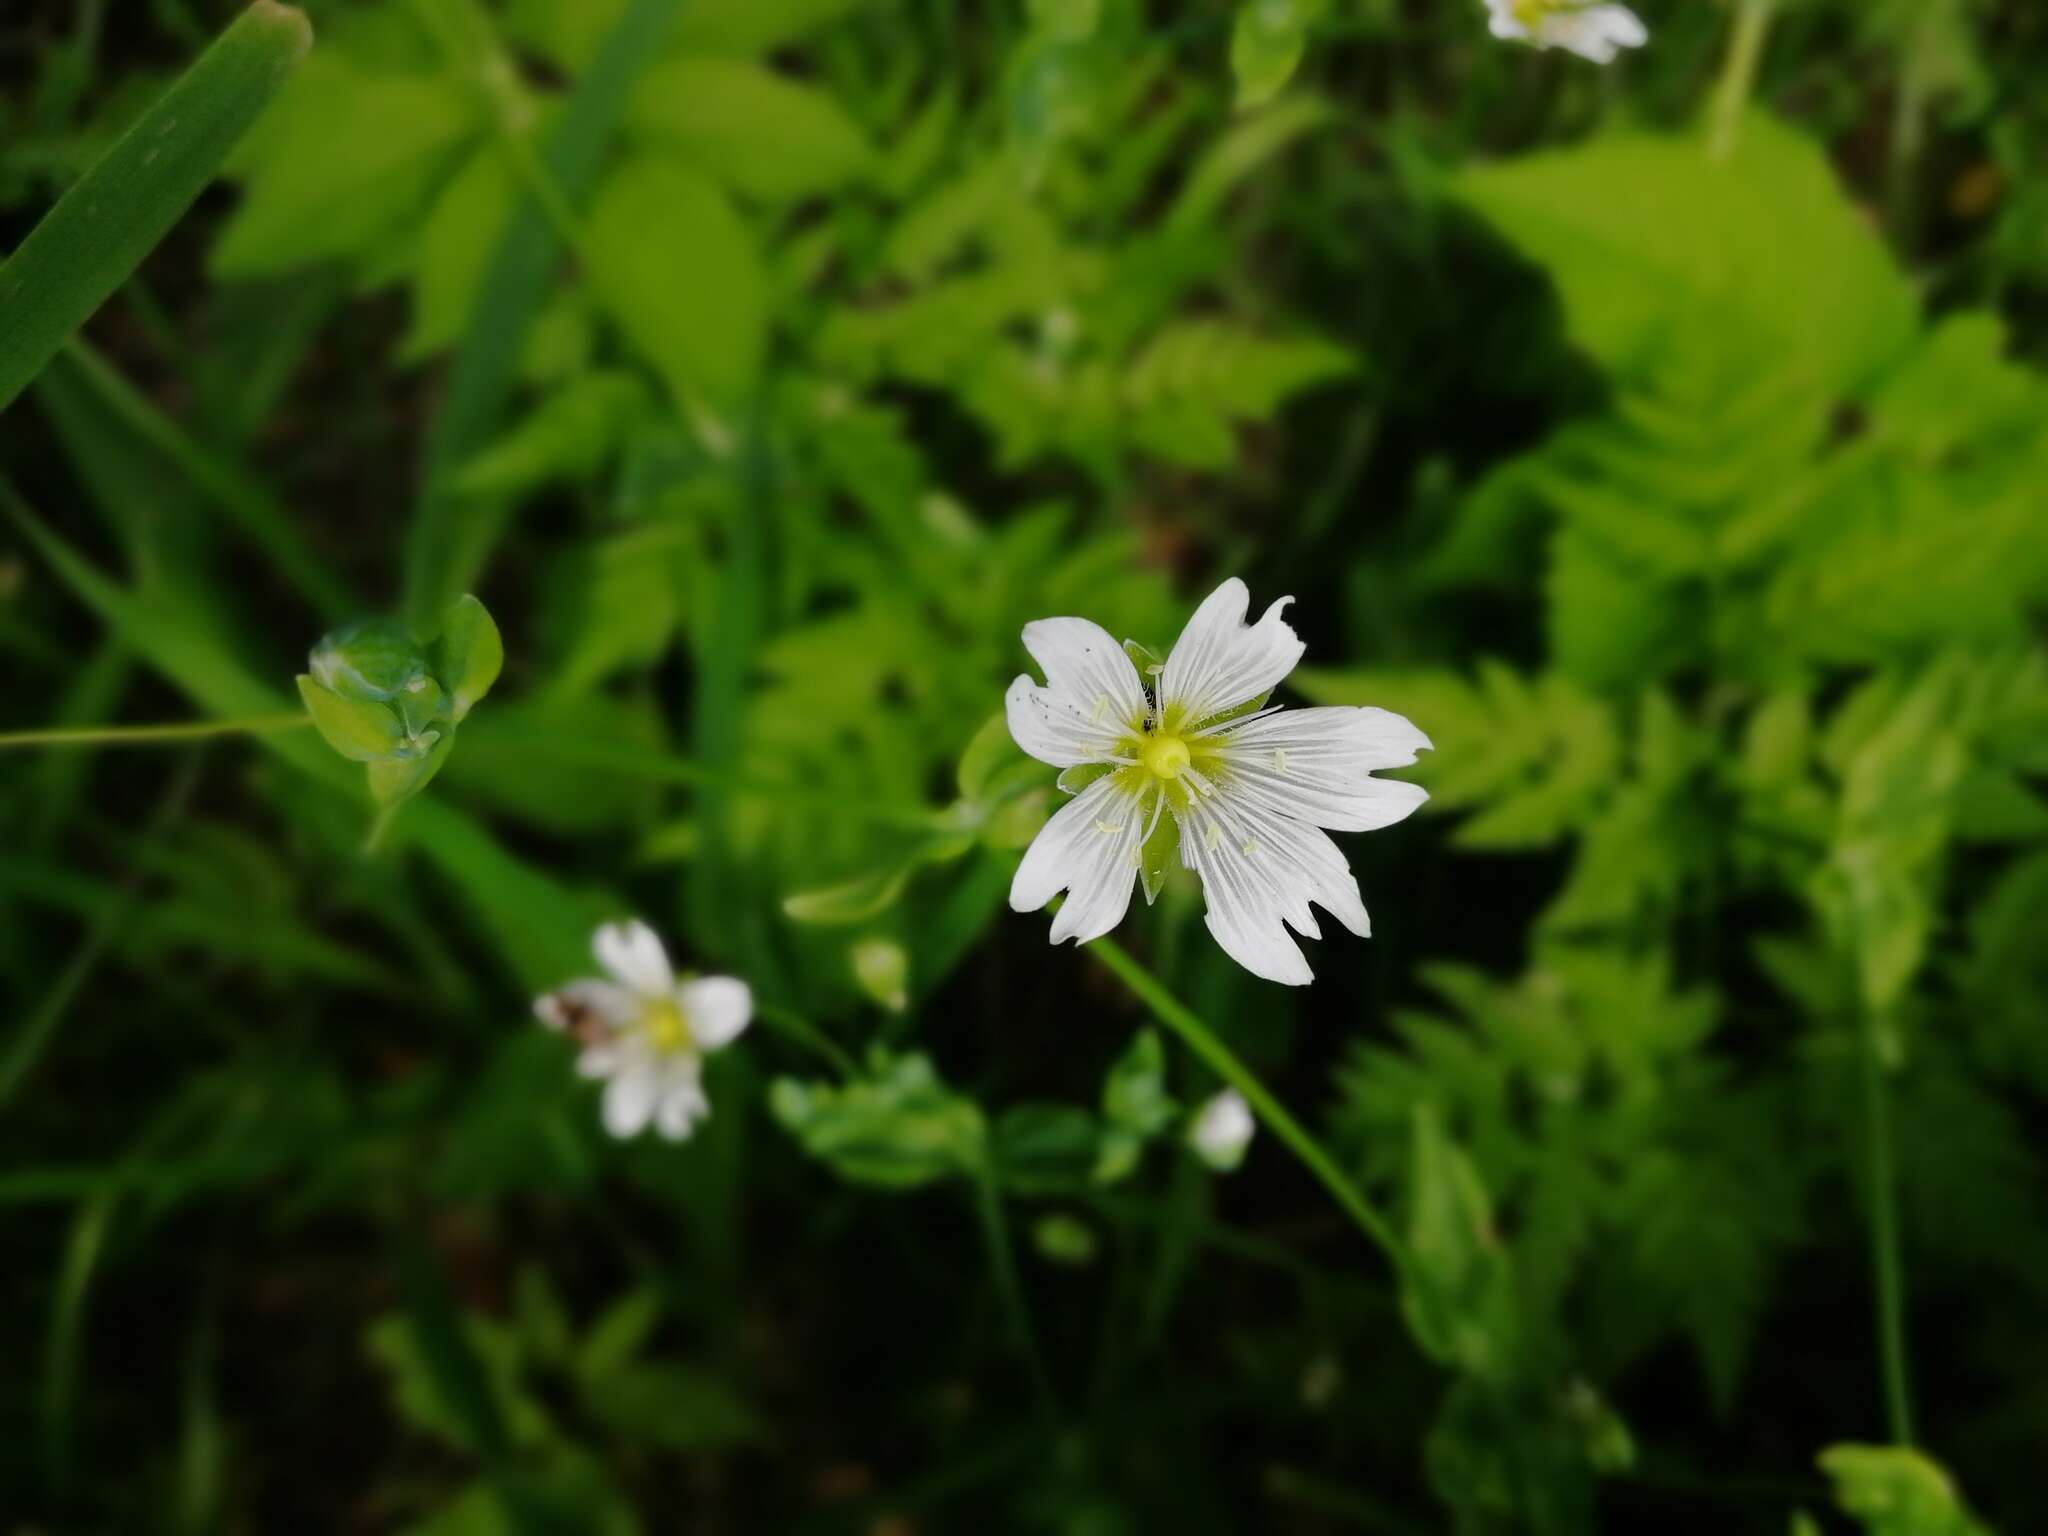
[381, 697]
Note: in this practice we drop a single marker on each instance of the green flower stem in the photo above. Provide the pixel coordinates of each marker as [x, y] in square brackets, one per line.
[150, 735]
[1203, 1041]
[793, 1027]
[1881, 1176]
[1738, 75]
[1002, 1260]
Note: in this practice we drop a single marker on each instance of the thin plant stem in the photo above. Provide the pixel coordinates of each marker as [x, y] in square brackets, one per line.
[149, 735]
[794, 1027]
[1738, 75]
[1881, 1176]
[1002, 1261]
[1205, 1043]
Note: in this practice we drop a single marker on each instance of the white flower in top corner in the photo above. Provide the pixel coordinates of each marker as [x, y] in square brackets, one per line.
[1221, 1130]
[1201, 766]
[645, 1033]
[1591, 30]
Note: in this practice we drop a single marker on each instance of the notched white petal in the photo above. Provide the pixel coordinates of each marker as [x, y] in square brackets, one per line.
[632, 953]
[1259, 873]
[716, 1009]
[1088, 849]
[1220, 662]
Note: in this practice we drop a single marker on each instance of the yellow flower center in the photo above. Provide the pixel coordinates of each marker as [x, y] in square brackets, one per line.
[1166, 756]
[667, 1030]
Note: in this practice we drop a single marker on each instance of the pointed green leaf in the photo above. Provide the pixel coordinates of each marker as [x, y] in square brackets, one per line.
[468, 654]
[361, 732]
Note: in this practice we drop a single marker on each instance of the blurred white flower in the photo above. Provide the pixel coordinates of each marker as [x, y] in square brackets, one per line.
[1250, 788]
[1593, 31]
[645, 1033]
[1221, 1130]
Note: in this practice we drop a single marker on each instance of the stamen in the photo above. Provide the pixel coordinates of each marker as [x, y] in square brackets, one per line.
[1279, 762]
[1250, 847]
[1212, 836]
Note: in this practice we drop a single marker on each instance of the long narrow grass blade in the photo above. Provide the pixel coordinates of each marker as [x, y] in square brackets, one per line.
[114, 215]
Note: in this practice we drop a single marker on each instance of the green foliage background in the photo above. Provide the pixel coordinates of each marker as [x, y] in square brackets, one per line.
[1678, 465]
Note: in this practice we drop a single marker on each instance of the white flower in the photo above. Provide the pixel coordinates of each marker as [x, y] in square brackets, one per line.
[1593, 31]
[1249, 787]
[645, 1033]
[1221, 1130]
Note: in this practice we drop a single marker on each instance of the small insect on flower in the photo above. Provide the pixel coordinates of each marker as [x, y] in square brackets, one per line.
[1592, 30]
[645, 1033]
[1221, 1130]
[1249, 788]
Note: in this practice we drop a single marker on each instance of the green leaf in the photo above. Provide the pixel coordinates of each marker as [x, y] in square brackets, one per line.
[1134, 1093]
[678, 270]
[467, 655]
[1457, 1293]
[1046, 1149]
[115, 214]
[360, 731]
[1266, 44]
[761, 133]
[340, 162]
[898, 1126]
[1644, 235]
[570, 435]
[461, 230]
[851, 901]
[1894, 1490]
[394, 780]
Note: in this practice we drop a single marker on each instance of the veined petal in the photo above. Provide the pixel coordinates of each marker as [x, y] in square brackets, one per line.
[1260, 871]
[1090, 850]
[565, 1007]
[629, 1097]
[679, 1100]
[1092, 697]
[633, 955]
[1316, 765]
[716, 1008]
[1220, 662]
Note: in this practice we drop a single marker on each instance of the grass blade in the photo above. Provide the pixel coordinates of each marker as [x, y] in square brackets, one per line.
[114, 215]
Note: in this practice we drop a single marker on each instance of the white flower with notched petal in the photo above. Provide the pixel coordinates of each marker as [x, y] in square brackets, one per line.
[1248, 788]
[1591, 30]
[645, 1033]
[1221, 1130]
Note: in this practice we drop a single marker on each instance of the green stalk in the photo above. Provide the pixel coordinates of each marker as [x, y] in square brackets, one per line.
[115, 214]
[1205, 1043]
[150, 735]
[1003, 1261]
[1738, 75]
[1881, 1176]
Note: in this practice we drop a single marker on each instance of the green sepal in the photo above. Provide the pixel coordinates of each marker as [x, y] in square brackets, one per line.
[1156, 857]
[1077, 778]
[393, 779]
[1248, 707]
[361, 732]
[1148, 661]
[467, 655]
